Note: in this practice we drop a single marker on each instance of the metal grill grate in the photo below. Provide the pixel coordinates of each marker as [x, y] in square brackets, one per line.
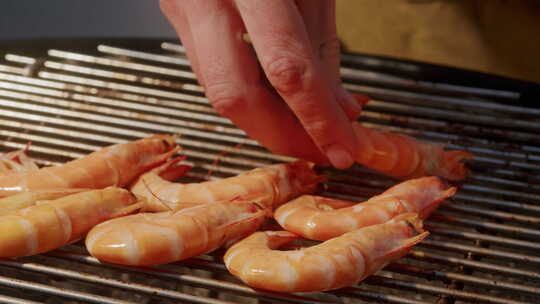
[484, 246]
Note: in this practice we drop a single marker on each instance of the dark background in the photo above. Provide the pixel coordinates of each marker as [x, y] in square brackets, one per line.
[38, 19]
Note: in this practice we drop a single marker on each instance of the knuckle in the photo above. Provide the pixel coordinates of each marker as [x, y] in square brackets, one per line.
[225, 99]
[287, 74]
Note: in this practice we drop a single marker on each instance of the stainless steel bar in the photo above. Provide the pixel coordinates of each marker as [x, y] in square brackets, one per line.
[420, 287]
[483, 237]
[123, 76]
[123, 87]
[432, 274]
[518, 232]
[11, 300]
[476, 265]
[20, 59]
[131, 286]
[10, 69]
[121, 64]
[142, 55]
[516, 257]
[354, 292]
[71, 294]
[508, 216]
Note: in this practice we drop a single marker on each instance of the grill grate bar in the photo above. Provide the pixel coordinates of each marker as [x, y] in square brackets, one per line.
[378, 297]
[11, 300]
[80, 276]
[432, 274]
[383, 281]
[476, 265]
[528, 259]
[74, 295]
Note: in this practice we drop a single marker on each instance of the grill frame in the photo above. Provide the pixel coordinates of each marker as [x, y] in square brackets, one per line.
[488, 237]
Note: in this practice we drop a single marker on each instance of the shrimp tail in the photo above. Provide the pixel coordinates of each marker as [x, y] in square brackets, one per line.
[172, 170]
[305, 177]
[415, 223]
[425, 212]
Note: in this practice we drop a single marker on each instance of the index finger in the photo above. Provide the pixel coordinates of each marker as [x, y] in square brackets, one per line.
[282, 44]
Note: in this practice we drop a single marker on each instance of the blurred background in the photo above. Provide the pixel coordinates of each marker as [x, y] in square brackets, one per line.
[30, 19]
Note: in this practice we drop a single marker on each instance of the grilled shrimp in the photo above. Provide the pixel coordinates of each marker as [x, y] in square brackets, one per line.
[159, 238]
[404, 157]
[116, 165]
[27, 199]
[319, 218]
[270, 186]
[336, 263]
[16, 161]
[53, 224]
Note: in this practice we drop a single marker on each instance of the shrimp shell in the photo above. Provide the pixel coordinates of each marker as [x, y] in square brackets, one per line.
[27, 199]
[319, 218]
[16, 161]
[115, 165]
[333, 264]
[56, 223]
[159, 238]
[270, 186]
[404, 157]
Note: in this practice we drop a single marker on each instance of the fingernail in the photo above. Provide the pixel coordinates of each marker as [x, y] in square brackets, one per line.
[340, 157]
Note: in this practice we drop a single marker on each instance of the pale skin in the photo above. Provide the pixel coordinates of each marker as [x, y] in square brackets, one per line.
[283, 88]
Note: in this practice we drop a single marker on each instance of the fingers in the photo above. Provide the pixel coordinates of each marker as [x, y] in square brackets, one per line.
[177, 18]
[233, 80]
[320, 19]
[295, 70]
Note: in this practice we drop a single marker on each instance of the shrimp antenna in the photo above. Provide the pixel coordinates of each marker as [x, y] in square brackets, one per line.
[215, 164]
[155, 196]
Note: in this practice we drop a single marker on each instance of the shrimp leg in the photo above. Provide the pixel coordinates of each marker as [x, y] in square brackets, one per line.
[404, 157]
[336, 263]
[270, 186]
[164, 237]
[320, 218]
[115, 165]
[50, 225]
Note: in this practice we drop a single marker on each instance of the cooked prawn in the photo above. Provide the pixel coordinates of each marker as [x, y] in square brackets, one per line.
[53, 224]
[270, 186]
[27, 199]
[336, 263]
[15, 161]
[116, 165]
[404, 157]
[319, 218]
[159, 238]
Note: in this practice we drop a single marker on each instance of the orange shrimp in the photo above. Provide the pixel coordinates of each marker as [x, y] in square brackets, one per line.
[336, 263]
[404, 157]
[116, 165]
[53, 224]
[16, 161]
[270, 186]
[159, 238]
[319, 218]
[27, 199]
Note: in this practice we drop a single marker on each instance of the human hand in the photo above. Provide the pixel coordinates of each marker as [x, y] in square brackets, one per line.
[295, 104]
